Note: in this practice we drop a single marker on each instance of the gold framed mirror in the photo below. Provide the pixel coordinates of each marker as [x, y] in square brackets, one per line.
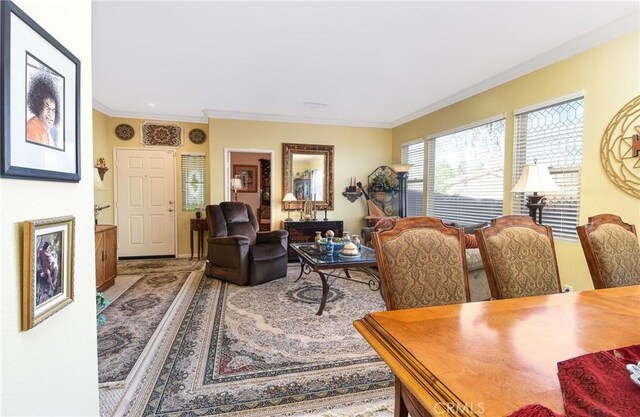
[307, 173]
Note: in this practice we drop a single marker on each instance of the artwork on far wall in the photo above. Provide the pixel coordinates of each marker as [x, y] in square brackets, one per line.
[41, 102]
[248, 174]
[161, 134]
[48, 253]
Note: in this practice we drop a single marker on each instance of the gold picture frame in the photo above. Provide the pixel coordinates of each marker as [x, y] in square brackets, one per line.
[48, 257]
[248, 174]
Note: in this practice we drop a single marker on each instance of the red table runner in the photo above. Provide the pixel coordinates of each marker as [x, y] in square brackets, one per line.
[598, 384]
[595, 385]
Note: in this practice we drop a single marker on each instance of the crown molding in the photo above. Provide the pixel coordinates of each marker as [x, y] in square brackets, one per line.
[147, 116]
[267, 117]
[608, 32]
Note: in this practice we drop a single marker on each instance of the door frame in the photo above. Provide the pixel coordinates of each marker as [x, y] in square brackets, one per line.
[175, 187]
[227, 172]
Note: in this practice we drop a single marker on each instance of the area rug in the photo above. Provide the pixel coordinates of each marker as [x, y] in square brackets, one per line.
[262, 351]
[143, 266]
[132, 319]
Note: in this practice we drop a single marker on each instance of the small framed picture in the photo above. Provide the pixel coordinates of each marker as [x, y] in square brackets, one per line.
[47, 283]
[248, 174]
[41, 102]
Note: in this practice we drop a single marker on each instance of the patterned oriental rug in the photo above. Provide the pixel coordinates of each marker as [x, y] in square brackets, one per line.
[228, 350]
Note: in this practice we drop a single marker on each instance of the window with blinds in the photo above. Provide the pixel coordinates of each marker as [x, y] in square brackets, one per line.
[413, 153]
[466, 174]
[193, 171]
[552, 135]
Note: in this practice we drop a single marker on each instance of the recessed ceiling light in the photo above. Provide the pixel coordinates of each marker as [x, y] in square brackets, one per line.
[151, 104]
[314, 105]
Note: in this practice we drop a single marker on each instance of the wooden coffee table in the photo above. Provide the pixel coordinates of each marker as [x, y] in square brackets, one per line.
[335, 266]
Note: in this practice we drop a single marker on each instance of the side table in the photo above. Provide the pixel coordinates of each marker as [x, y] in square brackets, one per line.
[200, 226]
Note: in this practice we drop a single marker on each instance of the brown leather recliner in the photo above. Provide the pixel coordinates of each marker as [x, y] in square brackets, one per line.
[238, 252]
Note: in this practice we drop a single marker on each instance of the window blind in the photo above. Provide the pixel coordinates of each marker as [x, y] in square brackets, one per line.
[466, 175]
[193, 172]
[413, 153]
[552, 135]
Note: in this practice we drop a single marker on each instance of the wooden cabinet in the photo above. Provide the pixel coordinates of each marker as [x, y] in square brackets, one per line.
[306, 231]
[106, 256]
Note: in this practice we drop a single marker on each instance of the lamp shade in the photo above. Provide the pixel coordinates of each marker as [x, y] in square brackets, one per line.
[535, 178]
[236, 183]
[288, 198]
[400, 168]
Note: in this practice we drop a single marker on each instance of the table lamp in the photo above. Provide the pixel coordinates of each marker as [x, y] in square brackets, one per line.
[236, 184]
[288, 198]
[535, 178]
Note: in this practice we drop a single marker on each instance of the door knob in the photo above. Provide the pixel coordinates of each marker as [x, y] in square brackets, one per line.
[171, 210]
[171, 202]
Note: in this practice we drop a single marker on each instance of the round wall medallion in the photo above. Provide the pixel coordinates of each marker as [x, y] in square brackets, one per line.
[125, 131]
[197, 136]
[620, 148]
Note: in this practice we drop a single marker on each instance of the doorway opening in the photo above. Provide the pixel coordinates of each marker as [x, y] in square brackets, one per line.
[252, 167]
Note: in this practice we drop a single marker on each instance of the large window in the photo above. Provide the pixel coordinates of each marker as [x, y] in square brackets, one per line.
[193, 171]
[552, 135]
[466, 174]
[413, 153]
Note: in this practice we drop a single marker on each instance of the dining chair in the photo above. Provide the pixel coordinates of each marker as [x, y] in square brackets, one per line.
[422, 263]
[612, 251]
[519, 257]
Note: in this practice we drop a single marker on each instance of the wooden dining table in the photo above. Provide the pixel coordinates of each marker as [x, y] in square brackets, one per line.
[491, 358]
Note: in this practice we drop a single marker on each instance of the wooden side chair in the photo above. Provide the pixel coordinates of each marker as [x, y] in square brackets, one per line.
[519, 257]
[422, 262]
[612, 251]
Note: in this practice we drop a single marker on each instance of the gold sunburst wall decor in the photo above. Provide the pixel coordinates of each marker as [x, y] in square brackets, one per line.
[620, 148]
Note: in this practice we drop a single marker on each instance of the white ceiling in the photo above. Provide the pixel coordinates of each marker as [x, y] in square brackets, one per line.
[356, 63]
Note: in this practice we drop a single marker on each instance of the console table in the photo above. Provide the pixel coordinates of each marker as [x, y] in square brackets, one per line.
[302, 232]
[200, 226]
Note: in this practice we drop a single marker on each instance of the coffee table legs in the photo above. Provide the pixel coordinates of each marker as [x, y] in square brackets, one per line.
[325, 292]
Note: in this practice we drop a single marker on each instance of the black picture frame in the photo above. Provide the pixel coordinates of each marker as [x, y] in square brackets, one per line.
[41, 76]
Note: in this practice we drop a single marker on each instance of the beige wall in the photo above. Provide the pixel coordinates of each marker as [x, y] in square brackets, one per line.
[609, 75]
[358, 151]
[106, 141]
[52, 369]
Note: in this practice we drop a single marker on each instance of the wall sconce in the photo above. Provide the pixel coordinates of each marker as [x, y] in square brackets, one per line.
[102, 168]
[351, 192]
[403, 173]
[535, 178]
[236, 184]
[288, 198]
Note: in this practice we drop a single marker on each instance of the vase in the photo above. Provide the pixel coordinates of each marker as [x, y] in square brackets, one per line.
[382, 196]
[317, 239]
[330, 246]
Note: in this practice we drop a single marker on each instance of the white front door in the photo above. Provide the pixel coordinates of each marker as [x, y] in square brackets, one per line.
[145, 202]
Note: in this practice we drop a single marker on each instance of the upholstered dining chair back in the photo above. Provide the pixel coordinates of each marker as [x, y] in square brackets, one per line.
[612, 251]
[519, 257]
[422, 262]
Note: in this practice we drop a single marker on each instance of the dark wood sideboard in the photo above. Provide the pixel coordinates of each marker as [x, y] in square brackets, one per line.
[300, 232]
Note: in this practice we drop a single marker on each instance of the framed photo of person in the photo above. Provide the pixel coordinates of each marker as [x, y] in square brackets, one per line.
[47, 283]
[248, 174]
[41, 102]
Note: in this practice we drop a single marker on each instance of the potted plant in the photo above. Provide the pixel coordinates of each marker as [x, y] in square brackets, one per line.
[383, 185]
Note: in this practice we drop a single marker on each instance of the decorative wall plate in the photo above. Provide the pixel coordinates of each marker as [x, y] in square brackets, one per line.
[125, 131]
[620, 148]
[197, 136]
[155, 134]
